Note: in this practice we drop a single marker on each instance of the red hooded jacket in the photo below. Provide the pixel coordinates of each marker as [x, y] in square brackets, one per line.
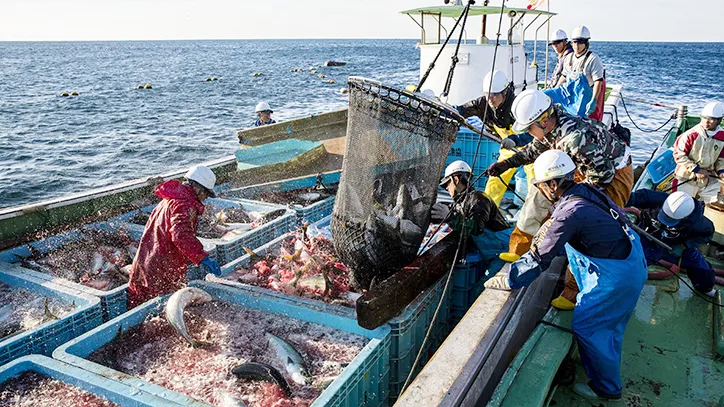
[167, 245]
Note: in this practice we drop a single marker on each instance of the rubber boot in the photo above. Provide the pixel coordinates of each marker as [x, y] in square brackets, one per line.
[567, 299]
[520, 243]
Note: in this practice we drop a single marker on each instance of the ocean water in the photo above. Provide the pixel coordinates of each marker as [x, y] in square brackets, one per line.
[52, 146]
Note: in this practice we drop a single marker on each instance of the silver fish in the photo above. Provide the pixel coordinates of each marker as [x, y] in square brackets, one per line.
[262, 371]
[227, 400]
[290, 357]
[175, 310]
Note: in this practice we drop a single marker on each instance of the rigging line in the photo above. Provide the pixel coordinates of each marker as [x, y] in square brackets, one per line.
[432, 64]
[448, 81]
[492, 69]
[623, 102]
[695, 291]
[510, 188]
[437, 310]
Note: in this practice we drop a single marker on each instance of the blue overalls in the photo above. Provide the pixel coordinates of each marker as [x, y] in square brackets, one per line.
[608, 296]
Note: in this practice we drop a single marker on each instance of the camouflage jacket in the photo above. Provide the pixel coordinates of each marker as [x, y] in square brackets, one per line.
[596, 151]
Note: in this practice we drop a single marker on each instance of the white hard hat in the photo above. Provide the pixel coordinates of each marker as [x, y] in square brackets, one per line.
[495, 83]
[527, 107]
[560, 35]
[262, 107]
[677, 206]
[713, 110]
[581, 33]
[552, 164]
[456, 167]
[204, 176]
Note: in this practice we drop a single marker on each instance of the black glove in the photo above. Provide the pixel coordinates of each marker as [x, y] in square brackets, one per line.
[496, 169]
[438, 212]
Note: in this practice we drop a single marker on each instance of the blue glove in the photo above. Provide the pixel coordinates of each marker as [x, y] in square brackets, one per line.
[591, 107]
[212, 266]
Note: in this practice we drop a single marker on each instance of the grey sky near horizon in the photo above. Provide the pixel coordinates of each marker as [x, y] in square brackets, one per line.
[81, 20]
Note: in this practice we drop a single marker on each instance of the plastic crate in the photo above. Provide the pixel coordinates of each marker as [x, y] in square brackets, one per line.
[44, 338]
[112, 302]
[110, 390]
[662, 167]
[363, 383]
[465, 275]
[464, 149]
[311, 213]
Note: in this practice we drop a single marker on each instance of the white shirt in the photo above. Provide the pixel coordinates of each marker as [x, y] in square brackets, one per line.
[593, 68]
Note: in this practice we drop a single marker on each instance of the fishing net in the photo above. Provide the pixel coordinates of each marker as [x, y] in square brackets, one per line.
[397, 143]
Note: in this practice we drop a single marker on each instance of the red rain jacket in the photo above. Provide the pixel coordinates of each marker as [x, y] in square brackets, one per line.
[167, 245]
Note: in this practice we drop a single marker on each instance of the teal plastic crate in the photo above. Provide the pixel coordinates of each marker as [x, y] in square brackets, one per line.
[112, 302]
[662, 167]
[365, 382]
[110, 390]
[44, 338]
[311, 213]
[464, 149]
[465, 275]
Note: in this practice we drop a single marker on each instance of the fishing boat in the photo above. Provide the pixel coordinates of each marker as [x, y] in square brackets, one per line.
[473, 364]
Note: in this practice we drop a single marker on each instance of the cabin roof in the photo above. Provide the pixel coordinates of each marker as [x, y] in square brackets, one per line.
[456, 11]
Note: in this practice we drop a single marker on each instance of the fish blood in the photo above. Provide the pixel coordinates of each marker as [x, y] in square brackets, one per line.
[31, 389]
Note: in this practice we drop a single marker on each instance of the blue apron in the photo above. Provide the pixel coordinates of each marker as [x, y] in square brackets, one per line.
[609, 290]
[575, 96]
[490, 244]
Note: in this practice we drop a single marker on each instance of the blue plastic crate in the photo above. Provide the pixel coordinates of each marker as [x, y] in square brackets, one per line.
[112, 302]
[311, 213]
[44, 338]
[365, 382]
[110, 390]
[464, 149]
[662, 167]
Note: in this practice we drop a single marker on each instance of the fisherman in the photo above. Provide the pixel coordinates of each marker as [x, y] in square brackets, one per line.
[475, 213]
[675, 219]
[606, 259]
[263, 114]
[583, 61]
[699, 155]
[495, 108]
[169, 241]
[603, 161]
[562, 46]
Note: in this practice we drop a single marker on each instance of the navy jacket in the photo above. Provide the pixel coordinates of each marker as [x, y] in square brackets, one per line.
[578, 222]
[695, 229]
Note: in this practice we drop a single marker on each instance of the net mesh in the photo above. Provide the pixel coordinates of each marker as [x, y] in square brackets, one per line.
[397, 143]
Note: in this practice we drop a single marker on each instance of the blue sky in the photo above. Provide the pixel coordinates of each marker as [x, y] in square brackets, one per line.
[69, 20]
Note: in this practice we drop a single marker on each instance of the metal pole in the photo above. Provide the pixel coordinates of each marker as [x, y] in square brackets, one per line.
[485, 20]
[548, 39]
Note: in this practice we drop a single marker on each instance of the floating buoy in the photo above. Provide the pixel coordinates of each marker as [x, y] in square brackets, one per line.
[213, 78]
[411, 88]
[65, 94]
[140, 87]
[74, 93]
[312, 68]
[343, 90]
[256, 74]
[330, 81]
[321, 75]
[313, 71]
[335, 63]
[148, 86]
[208, 79]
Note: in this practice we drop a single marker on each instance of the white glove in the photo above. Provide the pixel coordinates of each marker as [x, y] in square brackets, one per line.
[507, 144]
[498, 282]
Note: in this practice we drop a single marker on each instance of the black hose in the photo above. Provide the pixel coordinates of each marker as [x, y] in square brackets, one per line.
[623, 102]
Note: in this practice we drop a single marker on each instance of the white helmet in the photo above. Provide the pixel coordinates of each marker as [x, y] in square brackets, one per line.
[581, 33]
[714, 110]
[527, 107]
[495, 83]
[677, 206]
[456, 167]
[204, 176]
[263, 107]
[552, 164]
[559, 36]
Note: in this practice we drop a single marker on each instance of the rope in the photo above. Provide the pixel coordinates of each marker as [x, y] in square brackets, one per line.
[623, 102]
[448, 81]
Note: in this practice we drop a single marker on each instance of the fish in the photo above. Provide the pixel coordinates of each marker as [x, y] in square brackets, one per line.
[310, 196]
[175, 310]
[270, 216]
[316, 282]
[46, 312]
[5, 312]
[253, 257]
[262, 371]
[227, 400]
[290, 357]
